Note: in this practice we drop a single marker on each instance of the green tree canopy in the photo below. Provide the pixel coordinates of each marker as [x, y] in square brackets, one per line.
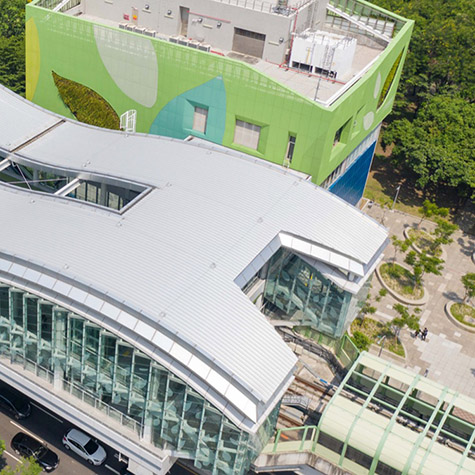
[441, 53]
[12, 45]
[438, 144]
[26, 466]
[12, 18]
[421, 264]
[468, 281]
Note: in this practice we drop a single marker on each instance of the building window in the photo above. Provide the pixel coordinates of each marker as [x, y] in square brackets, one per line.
[341, 135]
[247, 134]
[200, 119]
[290, 149]
[98, 368]
[337, 138]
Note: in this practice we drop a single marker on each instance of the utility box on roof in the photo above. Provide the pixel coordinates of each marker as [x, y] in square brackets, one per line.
[321, 52]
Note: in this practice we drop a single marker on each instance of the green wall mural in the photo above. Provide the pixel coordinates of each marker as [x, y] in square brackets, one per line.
[175, 79]
[86, 105]
[389, 80]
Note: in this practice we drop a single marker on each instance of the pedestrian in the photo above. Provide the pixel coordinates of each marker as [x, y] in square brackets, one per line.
[424, 333]
[418, 331]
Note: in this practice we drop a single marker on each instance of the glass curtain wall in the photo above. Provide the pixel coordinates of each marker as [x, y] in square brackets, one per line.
[85, 360]
[304, 295]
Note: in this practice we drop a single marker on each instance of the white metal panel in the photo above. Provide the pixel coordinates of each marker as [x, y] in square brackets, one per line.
[20, 120]
[176, 254]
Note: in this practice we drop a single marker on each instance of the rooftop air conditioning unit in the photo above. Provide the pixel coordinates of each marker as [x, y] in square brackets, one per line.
[140, 29]
[151, 33]
[130, 27]
[183, 41]
[173, 39]
[123, 26]
[193, 44]
[206, 48]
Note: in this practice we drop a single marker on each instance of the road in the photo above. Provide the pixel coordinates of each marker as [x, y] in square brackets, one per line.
[50, 428]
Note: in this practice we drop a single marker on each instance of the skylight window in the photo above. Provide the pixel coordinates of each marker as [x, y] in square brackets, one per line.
[106, 192]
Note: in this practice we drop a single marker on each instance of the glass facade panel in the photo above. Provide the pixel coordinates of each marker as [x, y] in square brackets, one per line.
[109, 374]
[302, 294]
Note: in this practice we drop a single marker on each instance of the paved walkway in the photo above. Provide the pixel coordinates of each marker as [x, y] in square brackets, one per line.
[449, 351]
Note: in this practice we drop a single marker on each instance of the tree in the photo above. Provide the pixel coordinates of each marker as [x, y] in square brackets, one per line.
[401, 245]
[367, 308]
[422, 263]
[26, 466]
[361, 341]
[442, 233]
[404, 319]
[440, 54]
[12, 45]
[468, 281]
[429, 209]
[438, 144]
[12, 64]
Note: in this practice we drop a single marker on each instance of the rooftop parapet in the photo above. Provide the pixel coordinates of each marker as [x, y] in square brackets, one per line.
[238, 29]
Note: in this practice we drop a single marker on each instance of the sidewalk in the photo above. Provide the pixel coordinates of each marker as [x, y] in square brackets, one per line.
[449, 351]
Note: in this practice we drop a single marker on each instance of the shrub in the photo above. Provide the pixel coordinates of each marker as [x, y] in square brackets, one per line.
[361, 341]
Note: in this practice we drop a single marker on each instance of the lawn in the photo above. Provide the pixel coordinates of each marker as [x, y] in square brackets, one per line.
[375, 330]
[400, 280]
[462, 312]
[424, 241]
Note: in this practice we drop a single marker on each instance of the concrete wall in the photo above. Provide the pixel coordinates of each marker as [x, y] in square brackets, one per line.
[116, 10]
[212, 22]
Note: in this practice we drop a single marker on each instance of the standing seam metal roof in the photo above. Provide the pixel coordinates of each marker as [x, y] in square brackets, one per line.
[173, 261]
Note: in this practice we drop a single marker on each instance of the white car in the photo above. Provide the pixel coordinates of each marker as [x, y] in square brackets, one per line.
[84, 446]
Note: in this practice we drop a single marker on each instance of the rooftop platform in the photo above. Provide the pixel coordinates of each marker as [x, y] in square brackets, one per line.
[317, 87]
[372, 28]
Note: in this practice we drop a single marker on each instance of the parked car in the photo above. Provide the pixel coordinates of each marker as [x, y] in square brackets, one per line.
[14, 403]
[84, 446]
[27, 446]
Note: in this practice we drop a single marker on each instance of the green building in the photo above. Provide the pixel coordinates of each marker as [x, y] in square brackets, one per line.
[304, 85]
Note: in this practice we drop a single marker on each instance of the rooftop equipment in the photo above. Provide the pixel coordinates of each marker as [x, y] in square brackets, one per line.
[325, 53]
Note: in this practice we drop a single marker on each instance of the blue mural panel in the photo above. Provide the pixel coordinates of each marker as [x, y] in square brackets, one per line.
[176, 118]
[350, 186]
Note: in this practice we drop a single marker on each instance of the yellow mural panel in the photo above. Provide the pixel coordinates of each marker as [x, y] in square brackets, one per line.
[32, 58]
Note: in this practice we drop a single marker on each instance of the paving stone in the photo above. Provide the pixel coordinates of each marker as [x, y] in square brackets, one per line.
[448, 352]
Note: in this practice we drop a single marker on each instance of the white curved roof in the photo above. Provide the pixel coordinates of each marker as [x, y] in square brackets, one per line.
[166, 274]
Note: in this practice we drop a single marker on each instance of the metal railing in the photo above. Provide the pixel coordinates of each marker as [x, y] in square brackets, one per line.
[366, 14]
[267, 7]
[339, 354]
[293, 439]
[52, 4]
[76, 391]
